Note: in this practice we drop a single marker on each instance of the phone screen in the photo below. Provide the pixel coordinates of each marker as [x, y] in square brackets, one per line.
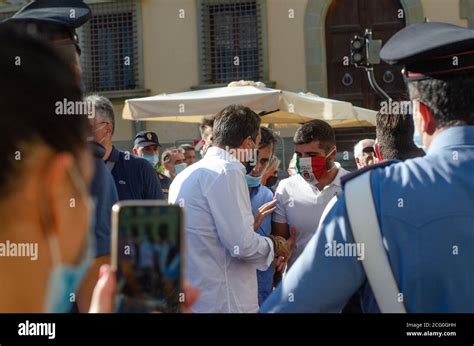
[148, 263]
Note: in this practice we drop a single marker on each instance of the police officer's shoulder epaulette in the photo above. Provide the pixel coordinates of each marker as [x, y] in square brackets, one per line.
[347, 177]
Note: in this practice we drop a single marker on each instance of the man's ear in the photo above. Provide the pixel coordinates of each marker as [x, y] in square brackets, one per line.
[378, 152]
[246, 143]
[428, 122]
[109, 129]
[357, 161]
[135, 151]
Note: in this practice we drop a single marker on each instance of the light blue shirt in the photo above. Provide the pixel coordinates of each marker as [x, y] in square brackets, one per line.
[425, 208]
[259, 196]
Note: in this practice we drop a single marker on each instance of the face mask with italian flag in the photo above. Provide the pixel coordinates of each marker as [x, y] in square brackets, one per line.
[312, 169]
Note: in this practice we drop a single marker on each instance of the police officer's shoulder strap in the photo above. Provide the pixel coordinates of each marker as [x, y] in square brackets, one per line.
[366, 230]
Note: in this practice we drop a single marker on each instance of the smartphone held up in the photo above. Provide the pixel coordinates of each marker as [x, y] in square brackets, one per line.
[146, 256]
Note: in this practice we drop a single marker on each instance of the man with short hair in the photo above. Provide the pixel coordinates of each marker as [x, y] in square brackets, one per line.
[172, 162]
[134, 177]
[423, 210]
[364, 153]
[222, 249]
[189, 154]
[147, 146]
[303, 196]
[395, 137]
[263, 205]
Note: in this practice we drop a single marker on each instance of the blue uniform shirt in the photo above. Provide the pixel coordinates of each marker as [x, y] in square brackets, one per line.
[134, 177]
[259, 196]
[425, 208]
[165, 184]
[105, 196]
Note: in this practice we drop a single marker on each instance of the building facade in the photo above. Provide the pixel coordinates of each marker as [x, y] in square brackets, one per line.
[137, 48]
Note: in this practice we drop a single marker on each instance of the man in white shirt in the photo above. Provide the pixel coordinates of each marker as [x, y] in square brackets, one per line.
[222, 249]
[303, 197]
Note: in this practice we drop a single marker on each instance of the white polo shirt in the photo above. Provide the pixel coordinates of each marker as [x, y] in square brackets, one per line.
[222, 249]
[302, 205]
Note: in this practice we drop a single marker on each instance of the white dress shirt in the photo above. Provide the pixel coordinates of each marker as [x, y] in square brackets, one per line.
[301, 204]
[222, 249]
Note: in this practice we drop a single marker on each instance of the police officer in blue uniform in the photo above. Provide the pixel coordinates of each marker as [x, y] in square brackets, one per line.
[134, 177]
[424, 207]
[147, 146]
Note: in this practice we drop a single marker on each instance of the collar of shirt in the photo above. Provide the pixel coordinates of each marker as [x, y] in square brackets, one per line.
[114, 155]
[340, 172]
[453, 136]
[224, 155]
[337, 179]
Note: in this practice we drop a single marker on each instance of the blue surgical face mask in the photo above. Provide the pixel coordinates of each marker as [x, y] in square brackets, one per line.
[253, 181]
[63, 283]
[152, 158]
[64, 279]
[179, 168]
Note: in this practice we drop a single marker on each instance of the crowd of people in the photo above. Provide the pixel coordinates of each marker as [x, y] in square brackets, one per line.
[253, 242]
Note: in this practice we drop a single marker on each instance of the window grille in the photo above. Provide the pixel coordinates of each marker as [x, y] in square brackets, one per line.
[109, 42]
[231, 41]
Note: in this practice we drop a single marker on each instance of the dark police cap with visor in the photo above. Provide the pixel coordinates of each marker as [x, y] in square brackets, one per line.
[55, 19]
[146, 138]
[431, 50]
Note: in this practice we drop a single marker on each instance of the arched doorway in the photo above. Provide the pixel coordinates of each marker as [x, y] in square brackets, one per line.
[346, 18]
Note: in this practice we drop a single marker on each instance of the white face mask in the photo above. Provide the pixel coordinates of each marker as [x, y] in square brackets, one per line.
[417, 138]
[417, 135]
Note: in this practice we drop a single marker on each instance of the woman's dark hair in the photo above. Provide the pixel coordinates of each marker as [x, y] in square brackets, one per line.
[34, 81]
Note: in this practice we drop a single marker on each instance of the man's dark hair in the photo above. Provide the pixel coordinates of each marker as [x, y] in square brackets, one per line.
[451, 99]
[395, 136]
[268, 137]
[33, 79]
[233, 125]
[316, 130]
[207, 121]
[187, 147]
